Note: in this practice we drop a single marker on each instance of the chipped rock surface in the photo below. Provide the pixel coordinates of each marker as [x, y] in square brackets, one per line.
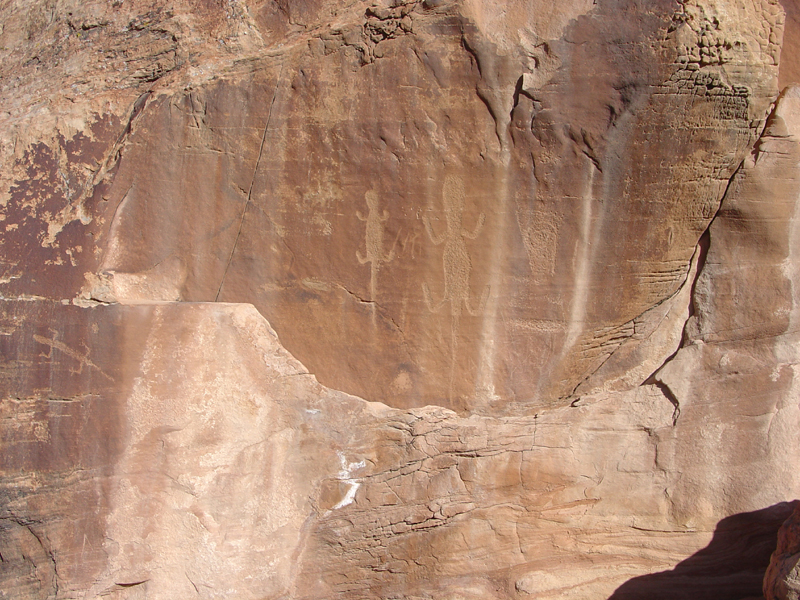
[782, 581]
[532, 269]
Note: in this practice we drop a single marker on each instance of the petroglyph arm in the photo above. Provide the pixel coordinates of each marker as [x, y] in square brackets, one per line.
[432, 306]
[431, 233]
[472, 235]
[393, 251]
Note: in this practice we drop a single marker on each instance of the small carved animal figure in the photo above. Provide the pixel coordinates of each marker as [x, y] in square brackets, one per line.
[374, 239]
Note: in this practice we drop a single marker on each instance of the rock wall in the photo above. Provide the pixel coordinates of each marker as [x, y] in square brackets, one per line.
[782, 581]
[534, 263]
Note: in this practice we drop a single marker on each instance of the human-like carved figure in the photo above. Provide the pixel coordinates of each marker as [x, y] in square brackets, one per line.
[456, 262]
[374, 239]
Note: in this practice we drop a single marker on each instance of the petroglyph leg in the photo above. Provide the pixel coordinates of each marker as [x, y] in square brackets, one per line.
[426, 292]
[455, 321]
[481, 304]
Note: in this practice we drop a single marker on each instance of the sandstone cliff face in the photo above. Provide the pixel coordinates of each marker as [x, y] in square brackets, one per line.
[534, 263]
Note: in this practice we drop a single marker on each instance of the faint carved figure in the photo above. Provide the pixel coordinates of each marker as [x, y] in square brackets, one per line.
[456, 262]
[374, 239]
[540, 238]
[82, 359]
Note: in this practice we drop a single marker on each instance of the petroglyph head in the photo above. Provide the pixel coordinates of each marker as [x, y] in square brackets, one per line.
[453, 195]
[372, 199]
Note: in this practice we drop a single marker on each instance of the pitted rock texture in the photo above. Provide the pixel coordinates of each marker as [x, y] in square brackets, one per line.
[782, 581]
[531, 268]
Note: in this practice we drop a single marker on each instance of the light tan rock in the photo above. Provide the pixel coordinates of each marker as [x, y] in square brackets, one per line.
[734, 375]
[224, 466]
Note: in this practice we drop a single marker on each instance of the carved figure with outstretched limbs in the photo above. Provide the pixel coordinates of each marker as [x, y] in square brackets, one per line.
[374, 240]
[456, 261]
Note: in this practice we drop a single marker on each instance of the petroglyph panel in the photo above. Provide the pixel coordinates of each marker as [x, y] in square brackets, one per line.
[547, 192]
[511, 209]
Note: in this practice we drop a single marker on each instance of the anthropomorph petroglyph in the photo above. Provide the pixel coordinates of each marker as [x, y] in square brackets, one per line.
[374, 240]
[456, 262]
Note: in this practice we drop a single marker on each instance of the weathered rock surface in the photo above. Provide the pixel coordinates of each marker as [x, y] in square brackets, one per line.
[782, 581]
[740, 344]
[552, 246]
[228, 470]
[427, 202]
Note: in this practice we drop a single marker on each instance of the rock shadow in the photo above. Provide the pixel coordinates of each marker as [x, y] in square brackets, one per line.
[731, 567]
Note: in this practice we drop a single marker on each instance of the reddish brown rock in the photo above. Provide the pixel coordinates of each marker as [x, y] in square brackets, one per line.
[782, 581]
[551, 246]
[411, 259]
[789, 65]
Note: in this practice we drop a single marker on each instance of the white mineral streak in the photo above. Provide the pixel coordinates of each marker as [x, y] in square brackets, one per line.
[345, 475]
